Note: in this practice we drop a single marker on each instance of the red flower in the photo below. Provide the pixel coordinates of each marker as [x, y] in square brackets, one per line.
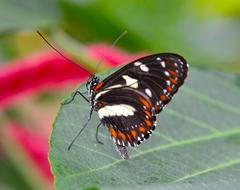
[46, 70]
[34, 145]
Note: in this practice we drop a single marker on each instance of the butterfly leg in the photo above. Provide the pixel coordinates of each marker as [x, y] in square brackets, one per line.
[100, 142]
[84, 126]
[122, 150]
[73, 97]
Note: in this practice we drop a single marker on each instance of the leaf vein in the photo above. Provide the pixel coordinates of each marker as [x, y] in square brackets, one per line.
[193, 121]
[214, 102]
[163, 147]
[208, 170]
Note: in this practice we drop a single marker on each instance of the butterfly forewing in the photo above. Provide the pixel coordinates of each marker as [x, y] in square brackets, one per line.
[128, 100]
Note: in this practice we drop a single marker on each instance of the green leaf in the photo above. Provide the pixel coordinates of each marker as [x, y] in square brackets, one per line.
[24, 14]
[195, 146]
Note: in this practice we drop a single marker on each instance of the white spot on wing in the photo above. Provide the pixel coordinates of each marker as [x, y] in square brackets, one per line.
[166, 73]
[116, 110]
[148, 92]
[130, 81]
[163, 64]
[114, 86]
[158, 58]
[137, 63]
[100, 93]
[180, 61]
[168, 82]
[144, 68]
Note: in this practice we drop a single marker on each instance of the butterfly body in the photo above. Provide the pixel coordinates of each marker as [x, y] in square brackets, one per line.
[128, 101]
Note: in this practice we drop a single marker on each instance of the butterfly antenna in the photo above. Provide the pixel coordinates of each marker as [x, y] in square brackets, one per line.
[113, 44]
[119, 38]
[55, 49]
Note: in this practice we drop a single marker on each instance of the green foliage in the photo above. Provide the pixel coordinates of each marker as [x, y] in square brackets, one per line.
[195, 146]
[10, 177]
[205, 32]
[24, 14]
[191, 28]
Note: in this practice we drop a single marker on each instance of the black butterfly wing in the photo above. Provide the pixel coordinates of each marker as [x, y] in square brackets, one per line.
[128, 100]
[128, 116]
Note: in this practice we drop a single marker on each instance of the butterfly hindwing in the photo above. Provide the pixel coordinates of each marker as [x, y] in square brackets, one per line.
[128, 100]
[128, 116]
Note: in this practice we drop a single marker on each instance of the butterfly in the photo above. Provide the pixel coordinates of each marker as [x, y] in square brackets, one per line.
[128, 100]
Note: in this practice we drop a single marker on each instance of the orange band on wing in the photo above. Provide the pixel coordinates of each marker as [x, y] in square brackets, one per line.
[147, 113]
[142, 129]
[129, 137]
[172, 72]
[134, 133]
[145, 103]
[173, 81]
[98, 86]
[163, 97]
[169, 89]
[113, 132]
[148, 123]
[122, 135]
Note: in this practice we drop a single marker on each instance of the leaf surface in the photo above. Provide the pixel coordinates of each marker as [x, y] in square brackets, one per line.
[196, 144]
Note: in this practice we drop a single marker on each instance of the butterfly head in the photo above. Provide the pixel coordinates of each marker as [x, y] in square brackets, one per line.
[92, 81]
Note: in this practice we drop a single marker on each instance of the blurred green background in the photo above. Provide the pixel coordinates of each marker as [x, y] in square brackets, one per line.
[207, 33]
